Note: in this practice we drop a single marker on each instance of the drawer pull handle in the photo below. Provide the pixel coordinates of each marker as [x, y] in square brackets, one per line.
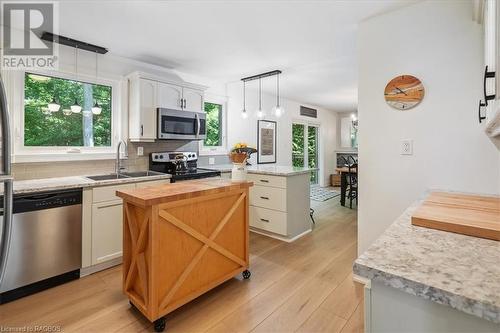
[264, 220]
[264, 181]
[265, 198]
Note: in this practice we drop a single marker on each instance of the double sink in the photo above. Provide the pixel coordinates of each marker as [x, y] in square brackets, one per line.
[122, 175]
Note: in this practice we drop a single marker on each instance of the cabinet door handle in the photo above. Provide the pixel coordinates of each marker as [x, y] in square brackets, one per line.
[486, 76]
[264, 220]
[481, 118]
[142, 130]
[264, 181]
[265, 198]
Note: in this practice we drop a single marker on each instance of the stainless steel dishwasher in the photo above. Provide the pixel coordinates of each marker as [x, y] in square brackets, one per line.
[46, 243]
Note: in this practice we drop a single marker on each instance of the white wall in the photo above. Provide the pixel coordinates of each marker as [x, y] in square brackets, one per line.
[438, 42]
[245, 130]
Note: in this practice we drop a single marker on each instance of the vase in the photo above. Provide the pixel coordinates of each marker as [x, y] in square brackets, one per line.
[239, 172]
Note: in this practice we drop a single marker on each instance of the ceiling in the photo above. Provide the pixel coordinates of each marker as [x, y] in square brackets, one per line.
[312, 42]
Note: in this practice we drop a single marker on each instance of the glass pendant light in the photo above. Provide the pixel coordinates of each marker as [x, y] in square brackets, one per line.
[96, 109]
[76, 108]
[260, 112]
[244, 113]
[53, 106]
[278, 109]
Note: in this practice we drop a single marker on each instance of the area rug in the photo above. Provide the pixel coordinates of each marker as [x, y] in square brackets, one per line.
[323, 193]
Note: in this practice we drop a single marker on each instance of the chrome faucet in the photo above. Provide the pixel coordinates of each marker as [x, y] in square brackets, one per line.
[118, 166]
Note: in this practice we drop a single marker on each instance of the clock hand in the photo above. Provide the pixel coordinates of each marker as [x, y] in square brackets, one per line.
[401, 91]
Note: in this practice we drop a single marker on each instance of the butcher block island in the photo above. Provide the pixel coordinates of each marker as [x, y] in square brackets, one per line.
[181, 240]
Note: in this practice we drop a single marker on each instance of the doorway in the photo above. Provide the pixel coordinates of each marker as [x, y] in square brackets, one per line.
[305, 148]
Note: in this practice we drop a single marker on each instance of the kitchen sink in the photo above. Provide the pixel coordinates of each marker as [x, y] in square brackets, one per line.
[142, 173]
[108, 176]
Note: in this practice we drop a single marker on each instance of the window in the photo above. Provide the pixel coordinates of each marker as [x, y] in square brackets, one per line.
[215, 143]
[214, 125]
[63, 128]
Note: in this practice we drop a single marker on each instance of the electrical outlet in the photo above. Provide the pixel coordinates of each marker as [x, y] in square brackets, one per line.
[211, 160]
[407, 147]
[140, 151]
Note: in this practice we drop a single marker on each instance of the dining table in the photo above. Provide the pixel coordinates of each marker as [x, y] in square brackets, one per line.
[344, 172]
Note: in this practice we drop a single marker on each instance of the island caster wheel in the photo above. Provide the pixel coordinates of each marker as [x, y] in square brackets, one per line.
[160, 324]
[246, 274]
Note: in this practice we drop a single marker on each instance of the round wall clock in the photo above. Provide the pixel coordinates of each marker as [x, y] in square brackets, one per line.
[404, 92]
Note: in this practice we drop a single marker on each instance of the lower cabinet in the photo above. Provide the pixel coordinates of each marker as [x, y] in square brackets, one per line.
[102, 227]
[107, 233]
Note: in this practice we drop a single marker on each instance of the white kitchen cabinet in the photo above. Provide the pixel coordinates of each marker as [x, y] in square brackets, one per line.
[193, 99]
[107, 228]
[279, 206]
[102, 229]
[149, 92]
[142, 112]
[169, 96]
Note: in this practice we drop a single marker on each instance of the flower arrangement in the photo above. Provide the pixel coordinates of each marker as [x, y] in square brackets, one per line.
[241, 152]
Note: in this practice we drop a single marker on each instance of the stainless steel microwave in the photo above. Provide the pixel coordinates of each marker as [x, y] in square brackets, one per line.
[181, 125]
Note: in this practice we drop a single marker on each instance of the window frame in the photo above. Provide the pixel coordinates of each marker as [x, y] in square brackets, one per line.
[24, 153]
[222, 149]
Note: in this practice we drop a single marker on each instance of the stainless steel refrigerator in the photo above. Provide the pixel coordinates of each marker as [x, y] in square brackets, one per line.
[5, 182]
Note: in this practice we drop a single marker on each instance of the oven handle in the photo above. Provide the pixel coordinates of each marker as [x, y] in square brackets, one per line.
[197, 117]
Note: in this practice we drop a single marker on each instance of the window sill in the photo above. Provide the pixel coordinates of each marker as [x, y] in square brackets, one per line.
[61, 157]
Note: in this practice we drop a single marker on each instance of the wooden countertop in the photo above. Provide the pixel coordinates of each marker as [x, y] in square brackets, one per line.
[149, 196]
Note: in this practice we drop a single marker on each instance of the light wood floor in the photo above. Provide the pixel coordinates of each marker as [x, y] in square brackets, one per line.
[305, 286]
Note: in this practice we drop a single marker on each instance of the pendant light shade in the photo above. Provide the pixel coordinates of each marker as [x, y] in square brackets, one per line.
[96, 109]
[76, 108]
[53, 106]
[260, 113]
[278, 109]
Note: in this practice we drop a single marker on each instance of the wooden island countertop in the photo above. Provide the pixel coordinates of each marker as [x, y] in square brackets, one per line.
[181, 240]
[149, 196]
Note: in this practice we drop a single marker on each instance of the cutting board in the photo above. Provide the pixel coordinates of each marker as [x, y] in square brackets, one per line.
[472, 215]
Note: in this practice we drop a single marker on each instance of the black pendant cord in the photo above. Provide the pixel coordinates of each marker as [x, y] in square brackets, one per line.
[260, 94]
[278, 90]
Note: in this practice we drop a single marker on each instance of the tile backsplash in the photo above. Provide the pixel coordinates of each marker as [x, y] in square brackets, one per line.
[23, 171]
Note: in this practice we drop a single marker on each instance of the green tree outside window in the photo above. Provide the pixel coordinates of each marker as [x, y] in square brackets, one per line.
[213, 125]
[43, 128]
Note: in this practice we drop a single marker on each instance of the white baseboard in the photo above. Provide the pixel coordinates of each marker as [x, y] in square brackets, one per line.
[100, 267]
[281, 238]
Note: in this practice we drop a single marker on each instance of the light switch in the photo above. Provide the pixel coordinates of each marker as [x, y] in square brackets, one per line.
[140, 151]
[211, 160]
[407, 147]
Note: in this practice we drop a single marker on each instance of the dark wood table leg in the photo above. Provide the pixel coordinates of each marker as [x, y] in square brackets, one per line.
[343, 187]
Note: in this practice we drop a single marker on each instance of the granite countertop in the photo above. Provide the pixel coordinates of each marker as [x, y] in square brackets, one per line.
[62, 183]
[188, 189]
[264, 169]
[459, 271]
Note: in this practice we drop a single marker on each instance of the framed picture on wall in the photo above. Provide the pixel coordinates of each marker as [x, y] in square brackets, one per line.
[266, 141]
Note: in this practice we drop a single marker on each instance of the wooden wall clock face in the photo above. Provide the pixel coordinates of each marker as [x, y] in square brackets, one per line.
[404, 92]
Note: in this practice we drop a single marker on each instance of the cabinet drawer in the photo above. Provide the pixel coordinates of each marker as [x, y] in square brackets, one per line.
[269, 220]
[268, 197]
[106, 193]
[265, 180]
[153, 183]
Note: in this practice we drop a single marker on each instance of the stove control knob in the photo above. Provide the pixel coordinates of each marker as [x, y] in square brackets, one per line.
[161, 157]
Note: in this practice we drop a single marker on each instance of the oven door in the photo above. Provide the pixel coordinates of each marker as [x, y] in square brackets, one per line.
[181, 125]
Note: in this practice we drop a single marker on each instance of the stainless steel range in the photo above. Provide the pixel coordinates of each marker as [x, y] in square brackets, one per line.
[181, 165]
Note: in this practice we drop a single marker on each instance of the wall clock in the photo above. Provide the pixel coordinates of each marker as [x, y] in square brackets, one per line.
[404, 92]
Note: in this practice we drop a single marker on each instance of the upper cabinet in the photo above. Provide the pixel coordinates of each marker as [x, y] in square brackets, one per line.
[147, 93]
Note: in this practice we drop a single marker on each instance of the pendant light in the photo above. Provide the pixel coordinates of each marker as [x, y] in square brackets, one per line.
[278, 109]
[244, 113]
[53, 106]
[260, 112]
[76, 108]
[96, 109]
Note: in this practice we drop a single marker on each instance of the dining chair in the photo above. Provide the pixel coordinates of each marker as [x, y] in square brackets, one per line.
[352, 180]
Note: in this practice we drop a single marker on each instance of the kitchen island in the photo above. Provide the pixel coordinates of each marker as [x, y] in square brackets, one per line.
[181, 240]
[426, 280]
[279, 201]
